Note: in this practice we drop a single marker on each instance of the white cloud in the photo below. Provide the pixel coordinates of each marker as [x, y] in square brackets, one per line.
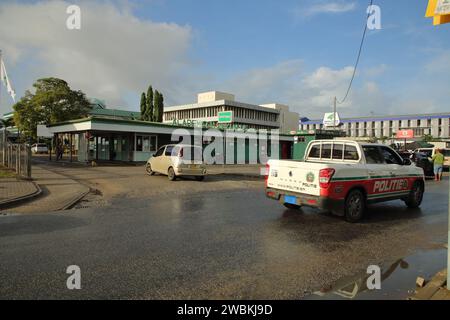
[439, 64]
[375, 71]
[326, 7]
[115, 54]
[310, 93]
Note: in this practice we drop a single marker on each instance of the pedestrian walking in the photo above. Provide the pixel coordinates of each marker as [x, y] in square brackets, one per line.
[438, 163]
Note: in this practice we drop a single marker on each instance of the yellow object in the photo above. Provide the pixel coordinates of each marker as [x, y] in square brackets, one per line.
[431, 9]
[437, 20]
[431, 12]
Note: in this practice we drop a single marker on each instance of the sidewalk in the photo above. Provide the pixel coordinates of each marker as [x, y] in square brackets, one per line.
[58, 192]
[435, 289]
[248, 170]
[14, 191]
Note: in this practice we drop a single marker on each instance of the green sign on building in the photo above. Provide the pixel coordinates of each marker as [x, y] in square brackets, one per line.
[225, 117]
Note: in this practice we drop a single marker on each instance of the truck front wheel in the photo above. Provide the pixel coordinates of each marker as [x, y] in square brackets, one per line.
[415, 196]
[355, 205]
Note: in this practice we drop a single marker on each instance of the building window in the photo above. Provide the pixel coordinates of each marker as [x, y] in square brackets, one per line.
[146, 143]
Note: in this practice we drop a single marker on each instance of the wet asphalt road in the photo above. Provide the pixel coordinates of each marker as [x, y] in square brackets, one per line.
[218, 245]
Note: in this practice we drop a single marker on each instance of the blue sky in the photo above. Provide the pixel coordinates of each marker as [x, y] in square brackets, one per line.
[299, 53]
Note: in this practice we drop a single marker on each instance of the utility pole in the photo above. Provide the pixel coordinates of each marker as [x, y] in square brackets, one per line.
[334, 112]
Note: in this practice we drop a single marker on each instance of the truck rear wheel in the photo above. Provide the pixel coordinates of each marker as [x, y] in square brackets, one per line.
[355, 206]
[415, 196]
[292, 206]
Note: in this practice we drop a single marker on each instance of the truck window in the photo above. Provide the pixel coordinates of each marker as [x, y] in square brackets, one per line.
[338, 151]
[373, 155]
[428, 152]
[390, 156]
[326, 151]
[315, 151]
[350, 153]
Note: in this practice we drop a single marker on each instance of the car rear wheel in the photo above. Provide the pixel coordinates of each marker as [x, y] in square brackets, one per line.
[171, 174]
[355, 205]
[292, 206]
[148, 169]
[415, 196]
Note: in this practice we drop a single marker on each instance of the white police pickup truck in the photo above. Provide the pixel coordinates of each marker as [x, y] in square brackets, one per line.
[343, 177]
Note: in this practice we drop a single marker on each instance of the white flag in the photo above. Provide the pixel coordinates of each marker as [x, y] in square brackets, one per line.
[6, 82]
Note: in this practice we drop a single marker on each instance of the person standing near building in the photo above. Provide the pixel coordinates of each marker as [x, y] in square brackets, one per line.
[438, 162]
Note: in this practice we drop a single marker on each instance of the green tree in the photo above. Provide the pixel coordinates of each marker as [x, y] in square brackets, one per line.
[52, 102]
[143, 105]
[427, 138]
[150, 113]
[159, 106]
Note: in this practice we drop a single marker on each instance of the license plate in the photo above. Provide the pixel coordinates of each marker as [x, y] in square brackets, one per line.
[290, 199]
[194, 166]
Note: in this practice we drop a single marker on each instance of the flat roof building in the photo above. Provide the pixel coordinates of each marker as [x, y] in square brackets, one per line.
[434, 124]
[210, 104]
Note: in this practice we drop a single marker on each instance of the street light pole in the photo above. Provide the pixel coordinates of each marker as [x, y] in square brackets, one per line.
[334, 113]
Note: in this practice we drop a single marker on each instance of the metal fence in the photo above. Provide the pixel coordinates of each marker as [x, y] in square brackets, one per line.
[16, 156]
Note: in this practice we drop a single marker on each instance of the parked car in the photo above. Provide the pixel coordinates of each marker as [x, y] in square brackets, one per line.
[422, 161]
[344, 177]
[176, 161]
[431, 151]
[39, 148]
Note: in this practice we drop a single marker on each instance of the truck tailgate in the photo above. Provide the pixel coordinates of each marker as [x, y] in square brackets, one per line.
[295, 176]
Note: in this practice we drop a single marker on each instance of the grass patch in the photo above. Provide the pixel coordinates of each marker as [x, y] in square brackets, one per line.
[6, 173]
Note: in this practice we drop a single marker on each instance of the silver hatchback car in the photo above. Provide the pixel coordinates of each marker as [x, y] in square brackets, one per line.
[177, 160]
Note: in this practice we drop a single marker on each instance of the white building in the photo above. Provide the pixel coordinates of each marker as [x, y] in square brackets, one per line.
[209, 104]
[436, 125]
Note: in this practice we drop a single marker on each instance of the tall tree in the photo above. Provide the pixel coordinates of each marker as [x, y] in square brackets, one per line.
[53, 101]
[161, 107]
[143, 105]
[149, 115]
[156, 101]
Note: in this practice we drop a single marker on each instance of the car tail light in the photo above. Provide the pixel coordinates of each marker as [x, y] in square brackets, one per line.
[267, 173]
[325, 176]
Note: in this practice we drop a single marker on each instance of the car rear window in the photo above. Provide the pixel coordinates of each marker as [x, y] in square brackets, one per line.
[333, 151]
[338, 151]
[315, 151]
[326, 151]
[351, 153]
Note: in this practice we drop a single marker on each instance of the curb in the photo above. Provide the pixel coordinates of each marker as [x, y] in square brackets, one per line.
[13, 202]
[255, 176]
[75, 200]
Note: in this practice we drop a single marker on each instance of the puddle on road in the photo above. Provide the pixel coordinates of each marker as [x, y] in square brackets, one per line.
[398, 279]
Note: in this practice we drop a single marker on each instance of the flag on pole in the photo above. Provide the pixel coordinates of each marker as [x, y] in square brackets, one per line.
[6, 82]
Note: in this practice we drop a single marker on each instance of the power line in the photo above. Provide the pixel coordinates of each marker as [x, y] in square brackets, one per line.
[358, 58]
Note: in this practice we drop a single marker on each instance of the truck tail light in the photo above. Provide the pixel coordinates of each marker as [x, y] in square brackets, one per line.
[325, 176]
[267, 173]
